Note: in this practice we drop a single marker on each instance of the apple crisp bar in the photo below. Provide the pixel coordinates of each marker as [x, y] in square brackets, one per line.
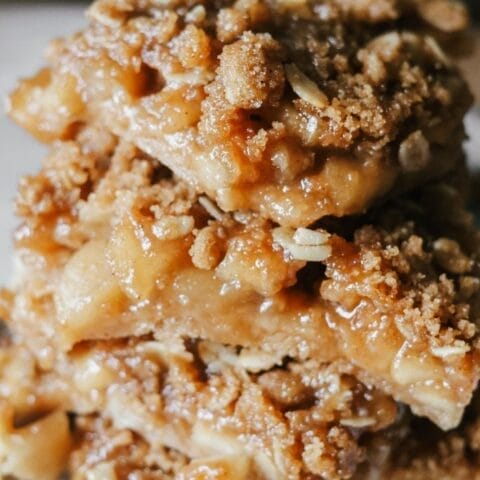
[171, 407]
[120, 264]
[297, 110]
[248, 254]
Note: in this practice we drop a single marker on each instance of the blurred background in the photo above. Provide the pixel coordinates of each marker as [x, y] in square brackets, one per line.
[25, 29]
[475, 8]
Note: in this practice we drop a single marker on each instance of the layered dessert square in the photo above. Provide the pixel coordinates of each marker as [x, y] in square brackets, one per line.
[134, 289]
[248, 254]
[296, 110]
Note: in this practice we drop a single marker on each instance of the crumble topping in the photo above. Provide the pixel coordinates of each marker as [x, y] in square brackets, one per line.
[294, 110]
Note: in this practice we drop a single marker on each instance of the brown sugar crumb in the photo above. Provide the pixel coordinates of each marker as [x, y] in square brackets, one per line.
[231, 23]
[208, 247]
[244, 15]
[251, 259]
[431, 300]
[192, 47]
[57, 188]
[285, 388]
[321, 460]
[250, 71]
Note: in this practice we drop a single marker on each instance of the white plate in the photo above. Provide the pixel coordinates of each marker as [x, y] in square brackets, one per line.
[25, 29]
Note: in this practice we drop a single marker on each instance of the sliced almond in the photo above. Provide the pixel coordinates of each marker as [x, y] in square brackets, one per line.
[306, 236]
[211, 208]
[450, 350]
[359, 422]
[304, 87]
[437, 51]
[414, 152]
[308, 253]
